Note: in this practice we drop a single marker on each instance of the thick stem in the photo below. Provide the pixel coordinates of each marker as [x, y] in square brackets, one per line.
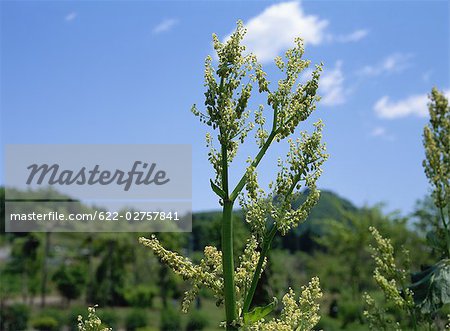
[228, 264]
[227, 247]
[265, 249]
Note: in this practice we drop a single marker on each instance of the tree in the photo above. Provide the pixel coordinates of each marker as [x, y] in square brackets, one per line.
[116, 253]
[346, 246]
[25, 262]
[70, 281]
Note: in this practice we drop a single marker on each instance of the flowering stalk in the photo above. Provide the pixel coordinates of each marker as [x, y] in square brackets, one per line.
[227, 245]
[436, 140]
[265, 249]
[267, 242]
[392, 281]
[226, 102]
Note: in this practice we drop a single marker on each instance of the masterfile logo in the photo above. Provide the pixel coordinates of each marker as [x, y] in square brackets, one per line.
[101, 171]
[52, 175]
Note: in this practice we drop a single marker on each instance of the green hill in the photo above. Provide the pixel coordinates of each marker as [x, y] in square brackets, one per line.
[206, 226]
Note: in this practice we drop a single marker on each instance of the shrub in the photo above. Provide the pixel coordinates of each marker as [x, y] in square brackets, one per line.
[197, 321]
[58, 315]
[170, 320]
[70, 281]
[14, 317]
[135, 319]
[141, 296]
[45, 323]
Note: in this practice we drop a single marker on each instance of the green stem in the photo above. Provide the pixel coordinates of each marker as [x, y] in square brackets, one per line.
[227, 247]
[265, 249]
[258, 158]
[228, 264]
[446, 230]
[267, 242]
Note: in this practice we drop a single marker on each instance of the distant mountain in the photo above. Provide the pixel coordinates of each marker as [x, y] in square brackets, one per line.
[206, 226]
[330, 206]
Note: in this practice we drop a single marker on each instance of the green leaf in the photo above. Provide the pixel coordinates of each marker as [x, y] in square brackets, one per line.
[431, 287]
[217, 190]
[259, 312]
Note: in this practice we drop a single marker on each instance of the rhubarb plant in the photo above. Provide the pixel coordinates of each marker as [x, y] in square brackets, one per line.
[419, 297]
[231, 80]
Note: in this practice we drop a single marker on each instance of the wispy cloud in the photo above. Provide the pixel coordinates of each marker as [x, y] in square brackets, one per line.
[381, 132]
[355, 36]
[164, 26]
[414, 105]
[426, 76]
[378, 131]
[396, 62]
[70, 16]
[332, 86]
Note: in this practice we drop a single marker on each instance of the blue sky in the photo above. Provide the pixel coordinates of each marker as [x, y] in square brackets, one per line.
[129, 71]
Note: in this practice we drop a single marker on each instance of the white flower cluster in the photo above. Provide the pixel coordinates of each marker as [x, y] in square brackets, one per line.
[93, 322]
[302, 166]
[388, 276]
[436, 140]
[226, 97]
[244, 272]
[294, 102]
[391, 280]
[208, 273]
[377, 317]
[297, 315]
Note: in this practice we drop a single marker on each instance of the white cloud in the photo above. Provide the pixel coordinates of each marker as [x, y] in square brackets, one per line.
[70, 17]
[274, 30]
[414, 105]
[396, 62]
[164, 26]
[355, 36]
[381, 132]
[331, 86]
